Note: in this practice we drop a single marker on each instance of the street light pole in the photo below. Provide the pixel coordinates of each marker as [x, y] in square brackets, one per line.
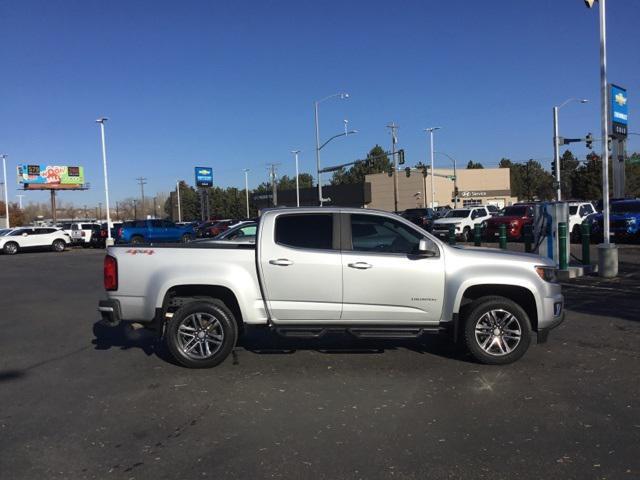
[296, 152]
[556, 143]
[246, 187]
[394, 139]
[178, 198]
[318, 147]
[433, 190]
[6, 190]
[101, 120]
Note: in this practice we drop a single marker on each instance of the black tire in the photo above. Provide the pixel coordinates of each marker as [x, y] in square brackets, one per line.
[465, 234]
[186, 238]
[576, 236]
[498, 345]
[10, 248]
[58, 245]
[207, 317]
[137, 239]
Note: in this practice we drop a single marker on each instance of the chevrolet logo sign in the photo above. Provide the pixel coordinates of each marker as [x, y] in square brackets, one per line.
[620, 99]
[204, 172]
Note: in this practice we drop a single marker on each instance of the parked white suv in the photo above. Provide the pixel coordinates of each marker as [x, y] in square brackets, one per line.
[464, 220]
[578, 212]
[81, 232]
[31, 238]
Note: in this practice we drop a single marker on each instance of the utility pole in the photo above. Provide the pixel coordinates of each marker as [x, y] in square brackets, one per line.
[155, 208]
[135, 209]
[246, 187]
[274, 184]
[394, 140]
[142, 181]
[117, 211]
[85, 213]
[100, 210]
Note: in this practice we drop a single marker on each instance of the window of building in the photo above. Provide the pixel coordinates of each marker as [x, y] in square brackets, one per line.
[471, 203]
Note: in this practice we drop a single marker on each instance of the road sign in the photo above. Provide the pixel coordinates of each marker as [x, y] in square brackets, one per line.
[619, 111]
[204, 177]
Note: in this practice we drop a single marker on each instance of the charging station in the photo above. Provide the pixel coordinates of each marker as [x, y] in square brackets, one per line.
[547, 216]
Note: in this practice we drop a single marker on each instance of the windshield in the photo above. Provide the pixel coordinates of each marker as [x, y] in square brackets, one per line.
[625, 207]
[457, 214]
[513, 212]
[4, 231]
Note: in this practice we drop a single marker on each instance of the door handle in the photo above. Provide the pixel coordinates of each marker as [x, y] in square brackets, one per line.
[360, 265]
[283, 262]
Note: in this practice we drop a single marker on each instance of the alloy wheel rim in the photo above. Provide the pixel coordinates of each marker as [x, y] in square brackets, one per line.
[200, 336]
[498, 332]
[11, 248]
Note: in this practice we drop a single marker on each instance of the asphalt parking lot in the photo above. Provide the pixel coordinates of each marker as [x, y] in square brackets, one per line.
[80, 400]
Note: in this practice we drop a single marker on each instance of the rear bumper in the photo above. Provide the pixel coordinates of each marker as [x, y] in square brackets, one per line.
[110, 311]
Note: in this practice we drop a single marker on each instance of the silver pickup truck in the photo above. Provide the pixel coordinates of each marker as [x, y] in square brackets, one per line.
[367, 273]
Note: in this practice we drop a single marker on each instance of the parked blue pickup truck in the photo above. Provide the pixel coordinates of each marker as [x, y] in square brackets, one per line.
[156, 231]
[624, 221]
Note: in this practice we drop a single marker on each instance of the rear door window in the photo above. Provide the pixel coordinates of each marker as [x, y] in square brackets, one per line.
[305, 231]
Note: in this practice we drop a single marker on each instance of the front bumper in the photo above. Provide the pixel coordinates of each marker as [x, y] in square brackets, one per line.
[552, 313]
[110, 312]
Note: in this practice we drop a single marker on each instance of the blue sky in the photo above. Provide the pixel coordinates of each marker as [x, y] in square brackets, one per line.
[231, 84]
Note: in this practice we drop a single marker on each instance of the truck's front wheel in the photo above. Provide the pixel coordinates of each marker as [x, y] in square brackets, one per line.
[497, 330]
[201, 334]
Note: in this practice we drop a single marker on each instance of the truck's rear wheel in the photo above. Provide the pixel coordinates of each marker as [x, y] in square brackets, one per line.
[137, 239]
[497, 330]
[201, 334]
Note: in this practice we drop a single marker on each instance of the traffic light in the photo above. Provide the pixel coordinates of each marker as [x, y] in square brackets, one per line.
[401, 157]
[554, 170]
[390, 172]
[456, 191]
[609, 142]
[589, 141]
[407, 171]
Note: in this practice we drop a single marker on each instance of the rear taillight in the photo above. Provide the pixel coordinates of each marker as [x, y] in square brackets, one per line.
[103, 233]
[83, 233]
[110, 273]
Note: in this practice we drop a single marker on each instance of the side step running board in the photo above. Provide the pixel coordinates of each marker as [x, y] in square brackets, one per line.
[360, 331]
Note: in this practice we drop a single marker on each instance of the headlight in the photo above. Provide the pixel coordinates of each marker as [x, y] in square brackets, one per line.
[548, 274]
[631, 221]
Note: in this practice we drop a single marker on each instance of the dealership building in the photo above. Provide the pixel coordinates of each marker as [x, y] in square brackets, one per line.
[478, 186]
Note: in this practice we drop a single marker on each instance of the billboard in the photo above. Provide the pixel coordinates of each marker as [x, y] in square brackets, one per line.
[619, 109]
[50, 177]
[204, 177]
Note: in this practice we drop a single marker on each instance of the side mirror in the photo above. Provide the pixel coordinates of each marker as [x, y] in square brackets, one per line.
[24, 234]
[425, 250]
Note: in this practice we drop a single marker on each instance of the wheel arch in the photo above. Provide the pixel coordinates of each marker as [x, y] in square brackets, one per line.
[179, 295]
[520, 294]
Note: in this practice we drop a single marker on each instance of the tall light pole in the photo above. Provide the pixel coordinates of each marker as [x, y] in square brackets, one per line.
[6, 189]
[101, 120]
[455, 179]
[433, 190]
[295, 153]
[246, 187]
[178, 198]
[20, 200]
[318, 147]
[607, 252]
[556, 140]
[394, 140]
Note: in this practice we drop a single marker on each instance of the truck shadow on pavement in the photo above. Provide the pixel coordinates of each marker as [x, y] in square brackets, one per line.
[262, 341]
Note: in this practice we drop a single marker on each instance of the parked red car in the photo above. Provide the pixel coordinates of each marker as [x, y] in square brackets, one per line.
[514, 217]
[216, 227]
